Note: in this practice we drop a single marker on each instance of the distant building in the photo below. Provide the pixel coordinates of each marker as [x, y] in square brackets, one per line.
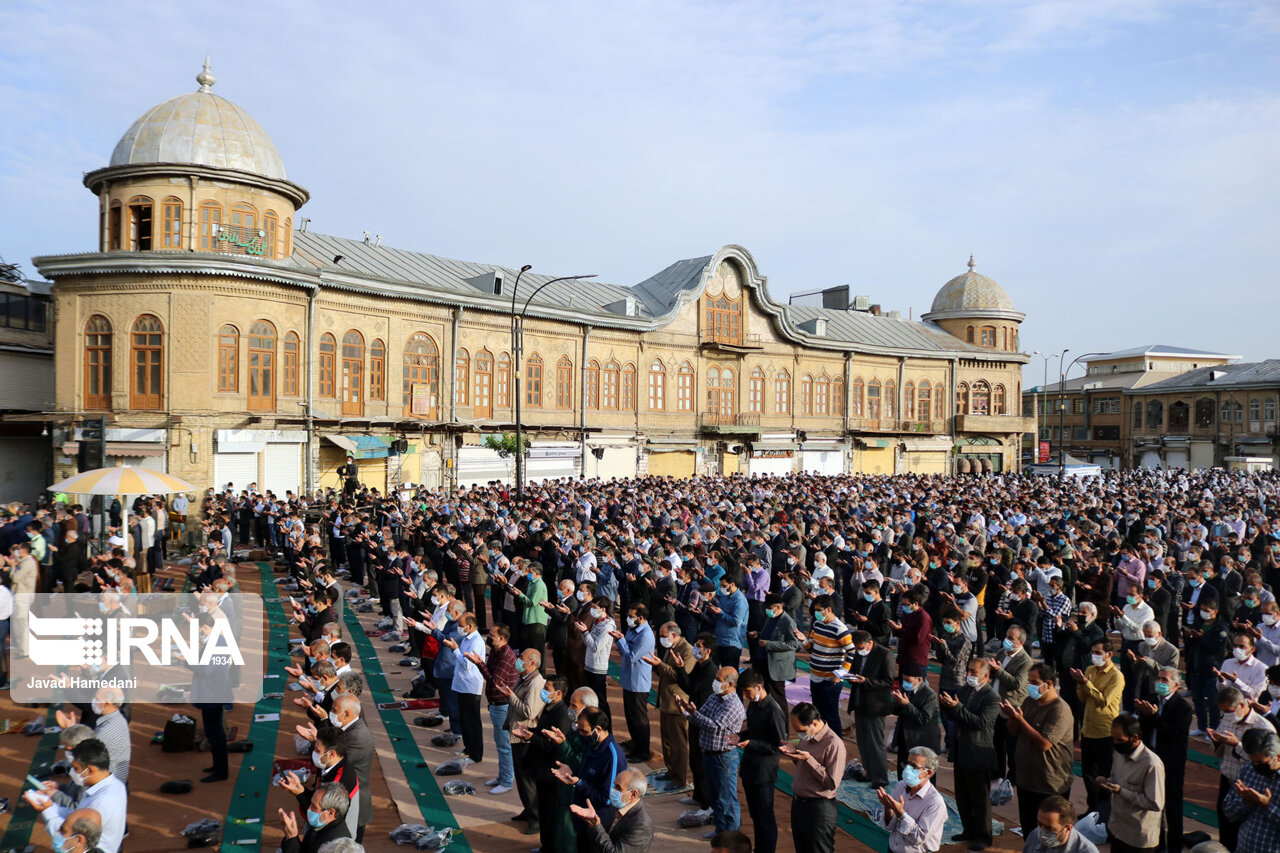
[26, 385]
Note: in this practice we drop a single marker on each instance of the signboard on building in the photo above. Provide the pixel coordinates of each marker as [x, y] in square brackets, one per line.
[772, 454]
[422, 400]
[1044, 451]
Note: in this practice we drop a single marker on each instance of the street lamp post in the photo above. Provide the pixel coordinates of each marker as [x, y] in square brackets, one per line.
[517, 346]
[1062, 378]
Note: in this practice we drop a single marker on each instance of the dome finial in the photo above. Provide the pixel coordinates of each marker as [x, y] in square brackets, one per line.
[205, 78]
[972, 263]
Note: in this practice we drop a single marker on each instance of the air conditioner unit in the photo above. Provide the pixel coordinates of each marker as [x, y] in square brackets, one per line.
[862, 303]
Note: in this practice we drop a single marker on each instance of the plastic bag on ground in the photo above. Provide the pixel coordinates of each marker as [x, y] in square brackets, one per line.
[1001, 793]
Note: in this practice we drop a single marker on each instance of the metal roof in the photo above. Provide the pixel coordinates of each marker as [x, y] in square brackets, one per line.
[880, 331]
[1249, 374]
[1158, 349]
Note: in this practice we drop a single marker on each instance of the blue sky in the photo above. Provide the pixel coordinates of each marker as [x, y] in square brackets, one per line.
[1113, 163]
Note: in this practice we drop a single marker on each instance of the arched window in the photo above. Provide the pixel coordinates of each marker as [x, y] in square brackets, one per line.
[228, 359]
[782, 393]
[755, 395]
[353, 373]
[97, 363]
[115, 226]
[873, 400]
[462, 378]
[724, 320]
[981, 402]
[924, 402]
[1179, 416]
[262, 366]
[684, 388]
[564, 383]
[909, 401]
[988, 336]
[890, 400]
[1269, 409]
[502, 381]
[288, 237]
[997, 401]
[141, 223]
[1137, 413]
[484, 384]
[822, 395]
[533, 381]
[270, 222]
[593, 385]
[377, 370]
[289, 372]
[968, 334]
[328, 365]
[721, 391]
[806, 394]
[857, 397]
[147, 358]
[1155, 415]
[1255, 413]
[244, 217]
[962, 398]
[629, 387]
[171, 235]
[1237, 412]
[1226, 411]
[210, 222]
[837, 396]
[611, 381]
[657, 386]
[421, 381]
[1204, 413]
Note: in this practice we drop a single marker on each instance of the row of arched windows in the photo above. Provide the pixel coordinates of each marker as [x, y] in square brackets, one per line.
[1151, 414]
[989, 336]
[981, 399]
[244, 230]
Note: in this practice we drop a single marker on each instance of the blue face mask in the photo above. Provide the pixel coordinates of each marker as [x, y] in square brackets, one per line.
[59, 843]
[1151, 584]
[910, 776]
[545, 695]
[1193, 582]
[1033, 690]
[615, 798]
[1008, 644]
[315, 818]
[909, 686]
[869, 597]
[519, 664]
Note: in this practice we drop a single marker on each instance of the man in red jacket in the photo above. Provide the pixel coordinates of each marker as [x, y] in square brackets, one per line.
[916, 627]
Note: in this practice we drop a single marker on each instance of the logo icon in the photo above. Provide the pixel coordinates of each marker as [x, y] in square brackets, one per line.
[54, 641]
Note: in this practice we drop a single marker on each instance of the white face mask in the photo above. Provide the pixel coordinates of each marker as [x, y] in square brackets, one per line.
[1241, 654]
[333, 718]
[667, 642]
[631, 621]
[315, 759]
[596, 613]
[971, 680]
[582, 595]
[1268, 618]
[1098, 660]
[864, 652]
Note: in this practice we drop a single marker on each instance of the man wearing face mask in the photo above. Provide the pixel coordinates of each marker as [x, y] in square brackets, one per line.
[1243, 669]
[1237, 719]
[524, 702]
[819, 767]
[1154, 654]
[1136, 786]
[1010, 677]
[760, 743]
[1208, 643]
[554, 723]
[730, 611]
[346, 716]
[697, 684]
[634, 648]
[828, 642]
[109, 727]
[625, 826]
[871, 676]
[774, 654]
[1099, 688]
[1045, 748]
[329, 757]
[1251, 802]
[1055, 830]
[677, 658]
[719, 721]
[915, 813]
[600, 762]
[103, 793]
[79, 833]
[973, 753]
[1267, 633]
[916, 705]
[1165, 723]
[326, 821]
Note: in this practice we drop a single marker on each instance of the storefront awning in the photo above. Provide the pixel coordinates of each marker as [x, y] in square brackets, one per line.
[773, 445]
[933, 444]
[119, 448]
[363, 446]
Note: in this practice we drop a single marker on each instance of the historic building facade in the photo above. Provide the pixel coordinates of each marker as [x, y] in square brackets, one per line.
[229, 343]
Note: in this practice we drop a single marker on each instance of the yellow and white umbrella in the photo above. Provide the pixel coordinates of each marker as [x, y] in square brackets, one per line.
[124, 481]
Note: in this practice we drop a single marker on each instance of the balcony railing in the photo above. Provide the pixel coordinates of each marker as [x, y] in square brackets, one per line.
[710, 337]
[891, 425]
[238, 240]
[740, 419]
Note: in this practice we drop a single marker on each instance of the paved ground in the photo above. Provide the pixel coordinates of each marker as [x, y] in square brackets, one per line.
[403, 791]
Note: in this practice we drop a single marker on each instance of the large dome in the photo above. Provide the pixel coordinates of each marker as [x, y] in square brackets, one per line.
[200, 128]
[971, 292]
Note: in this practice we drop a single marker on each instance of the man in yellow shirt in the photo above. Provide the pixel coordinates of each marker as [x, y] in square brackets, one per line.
[1099, 688]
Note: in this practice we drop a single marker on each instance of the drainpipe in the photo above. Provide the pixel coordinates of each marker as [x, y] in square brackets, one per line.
[453, 392]
[311, 362]
[582, 397]
[951, 457]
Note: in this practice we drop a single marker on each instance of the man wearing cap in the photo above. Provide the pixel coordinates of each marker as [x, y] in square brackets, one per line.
[919, 721]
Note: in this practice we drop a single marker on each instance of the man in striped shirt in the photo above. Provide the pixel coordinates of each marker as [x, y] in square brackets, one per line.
[828, 643]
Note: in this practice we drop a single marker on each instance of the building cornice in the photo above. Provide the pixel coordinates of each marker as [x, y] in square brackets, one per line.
[97, 178]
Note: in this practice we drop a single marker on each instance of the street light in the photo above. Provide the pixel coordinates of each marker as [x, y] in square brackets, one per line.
[1062, 378]
[517, 344]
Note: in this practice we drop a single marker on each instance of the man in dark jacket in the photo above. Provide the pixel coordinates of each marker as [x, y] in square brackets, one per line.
[359, 753]
[871, 677]
[326, 821]
[624, 827]
[916, 704]
[766, 731]
[973, 752]
[1165, 724]
[554, 723]
[69, 561]
[602, 760]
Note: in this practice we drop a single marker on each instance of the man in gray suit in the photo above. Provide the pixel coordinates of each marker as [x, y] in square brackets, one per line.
[774, 655]
[973, 752]
[1154, 654]
[1010, 677]
[346, 715]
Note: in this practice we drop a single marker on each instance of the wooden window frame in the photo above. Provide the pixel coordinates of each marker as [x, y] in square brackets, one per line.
[228, 359]
[502, 381]
[327, 386]
[564, 383]
[421, 366]
[755, 393]
[593, 385]
[924, 402]
[171, 235]
[874, 391]
[998, 400]
[482, 380]
[533, 370]
[686, 380]
[806, 395]
[822, 395]
[611, 385]
[146, 363]
[142, 223]
[210, 215]
[462, 378]
[909, 401]
[782, 393]
[962, 398]
[629, 378]
[352, 390]
[97, 362]
[270, 225]
[657, 386]
[262, 366]
[980, 398]
[377, 370]
[289, 383]
[890, 400]
[115, 226]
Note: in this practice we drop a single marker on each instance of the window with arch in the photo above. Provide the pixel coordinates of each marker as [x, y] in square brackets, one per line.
[822, 395]
[629, 387]
[873, 399]
[462, 377]
[657, 386]
[484, 384]
[981, 403]
[1004, 337]
[171, 228]
[289, 367]
[533, 381]
[353, 373]
[782, 393]
[988, 336]
[962, 398]
[564, 383]
[593, 385]
[890, 399]
[147, 358]
[909, 401]
[328, 365]
[997, 401]
[1155, 415]
[228, 361]
[924, 401]
[210, 222]
[722, 391]
[262, 366]
[806, 394]
[270, 223]
[1179, 416]
[755, 392]
[837, 396]
[1255, 412]
[502, 381]
[1138, 411]
[1226, 412]
[421, 376]
[115, 225]
[377, 370]
[684, 388]
[857, 397]
[1269, 409]
[288, 237]
[244, 216]
[611, 382]
[968, 334]
[724, 319]
[97, 363]
[140, 223]
[1204, 413]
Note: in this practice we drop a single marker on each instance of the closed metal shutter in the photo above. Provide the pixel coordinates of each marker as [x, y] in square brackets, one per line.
[674, 463]
[238, 469]
[25, 466]
[477, 466]
[282, 468]
[771, 466]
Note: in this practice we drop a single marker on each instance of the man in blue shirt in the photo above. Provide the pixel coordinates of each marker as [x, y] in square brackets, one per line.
[637, 680]
[730, 611]
[468, 686]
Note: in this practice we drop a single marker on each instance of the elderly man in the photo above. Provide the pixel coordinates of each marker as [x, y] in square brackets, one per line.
[677, 658]
[326, 820]
[110, 727]
[973, 753]
[719, 721]
[1056, 830]
[524, 706]
[346, 715]
[1165, 723]
[1237, 719]
[79, 833]
[915, 813]
[1251, 803]
[625, 827]
[1154, 653]
[103, 793]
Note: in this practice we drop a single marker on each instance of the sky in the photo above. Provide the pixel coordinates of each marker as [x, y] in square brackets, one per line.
[1114, 164]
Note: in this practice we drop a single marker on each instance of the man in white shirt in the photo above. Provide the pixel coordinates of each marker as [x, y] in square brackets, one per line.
[915, 813]
[103, 793]
[1243, 670]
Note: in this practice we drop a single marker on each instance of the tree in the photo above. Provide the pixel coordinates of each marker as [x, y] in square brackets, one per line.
[505, 444]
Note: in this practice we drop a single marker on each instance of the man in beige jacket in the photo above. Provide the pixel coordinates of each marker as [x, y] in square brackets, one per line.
[24, 574]
[677, 655]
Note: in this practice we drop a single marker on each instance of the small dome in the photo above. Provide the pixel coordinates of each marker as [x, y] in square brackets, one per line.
[200, 128]
[969, 292]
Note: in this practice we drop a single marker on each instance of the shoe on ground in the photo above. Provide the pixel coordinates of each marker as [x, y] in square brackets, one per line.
[533, 829]
[711, 834]
[492, 782]
[639, 759]
[210, 769]
[979, 845]
[690, 801]
[1196, 733]
[499, 789]
[961, 836]
[522, 816]
[212, 777]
